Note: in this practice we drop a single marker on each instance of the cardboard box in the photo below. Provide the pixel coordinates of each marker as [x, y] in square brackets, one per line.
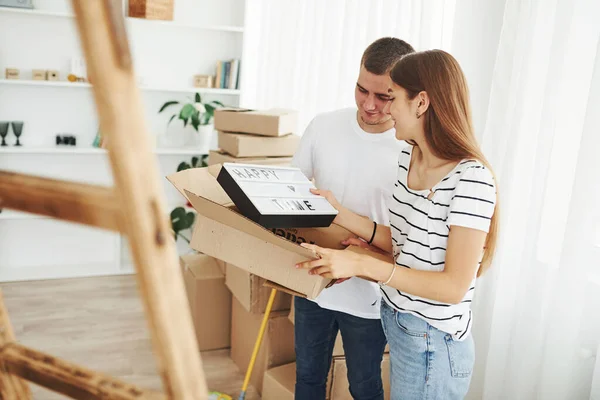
[275, 196]
[220, 157]
[12, 73]
[151, 9]
[245, 145]
[221, 232]
[38, 75]
[273, 122]
[277, 347]
[279, 383]
[292, 314]
[339, 383]
[52, 75]
[250, 291]
[222, 266]
[203, 81]
[209, 299]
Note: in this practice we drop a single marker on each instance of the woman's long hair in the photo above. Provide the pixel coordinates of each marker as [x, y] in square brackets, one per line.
[448, 126]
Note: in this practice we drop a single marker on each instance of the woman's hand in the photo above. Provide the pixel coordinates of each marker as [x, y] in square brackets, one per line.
[333, 264]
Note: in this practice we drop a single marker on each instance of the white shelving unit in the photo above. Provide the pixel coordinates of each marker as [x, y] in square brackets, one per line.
[84, 85]
[130, 20]
[88, 150]
[166, 53]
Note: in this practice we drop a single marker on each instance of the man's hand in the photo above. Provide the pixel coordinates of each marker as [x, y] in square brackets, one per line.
[354, 241]
[328, 196]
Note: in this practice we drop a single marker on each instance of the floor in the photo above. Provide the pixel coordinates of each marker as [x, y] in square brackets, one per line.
[99, 323]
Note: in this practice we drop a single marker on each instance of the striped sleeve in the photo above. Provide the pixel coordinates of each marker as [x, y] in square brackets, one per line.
[403, 162]
[472, 204]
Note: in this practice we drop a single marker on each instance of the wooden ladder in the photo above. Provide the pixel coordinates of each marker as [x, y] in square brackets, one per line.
[135, 207]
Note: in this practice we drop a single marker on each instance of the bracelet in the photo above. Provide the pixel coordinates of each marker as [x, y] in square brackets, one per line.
[374, 231]
[390, 278]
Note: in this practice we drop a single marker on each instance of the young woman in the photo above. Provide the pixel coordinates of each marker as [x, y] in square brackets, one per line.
[442, 234]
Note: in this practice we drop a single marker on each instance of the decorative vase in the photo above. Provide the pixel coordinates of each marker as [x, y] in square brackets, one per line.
[202, 140]
[175, 136]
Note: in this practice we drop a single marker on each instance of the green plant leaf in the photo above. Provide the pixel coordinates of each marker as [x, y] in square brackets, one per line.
[189, 219]
[167, 104]
[183, 166]
[177, 217]
[204, 161]
[198, 98]
[187, 111]
[196, 121]
[195, 161]
[218, 103]
[181, 220]
[210, 109]
[171, 119]
[177, 213]
[177, 225]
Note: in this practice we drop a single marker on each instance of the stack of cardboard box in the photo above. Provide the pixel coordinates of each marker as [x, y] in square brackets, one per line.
[225, 321]
[209, 299]
[278, 342]
[227, 298]
[279, 382]
[255, 137]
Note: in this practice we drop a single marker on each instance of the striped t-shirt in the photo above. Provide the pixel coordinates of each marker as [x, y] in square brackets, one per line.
[420, 227]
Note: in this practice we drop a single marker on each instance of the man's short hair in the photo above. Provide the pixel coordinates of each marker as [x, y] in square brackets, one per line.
[382, 54]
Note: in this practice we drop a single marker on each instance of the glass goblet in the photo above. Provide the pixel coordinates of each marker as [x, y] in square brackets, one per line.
[17, 130]
[4, 132]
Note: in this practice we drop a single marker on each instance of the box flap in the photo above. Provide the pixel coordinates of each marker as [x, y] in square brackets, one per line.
[276, 112]
[283, 289]
[232, 109]
[249, 290]
[202, 266]
[201, 182]
[270, 112]
[219, 156]
[237, 221]
[285, 376]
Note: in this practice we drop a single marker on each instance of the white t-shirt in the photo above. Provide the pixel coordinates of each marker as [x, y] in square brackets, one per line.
[420, 227]
[360, 169]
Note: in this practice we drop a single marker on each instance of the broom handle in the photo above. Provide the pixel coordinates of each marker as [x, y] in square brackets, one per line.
[258, 342]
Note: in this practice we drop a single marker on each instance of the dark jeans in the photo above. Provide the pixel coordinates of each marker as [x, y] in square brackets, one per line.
[364, 342]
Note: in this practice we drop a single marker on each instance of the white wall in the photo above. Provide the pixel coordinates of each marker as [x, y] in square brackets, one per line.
[166, 55]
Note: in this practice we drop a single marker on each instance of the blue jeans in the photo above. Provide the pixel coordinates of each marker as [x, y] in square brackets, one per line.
[425, 362]
[315, 331]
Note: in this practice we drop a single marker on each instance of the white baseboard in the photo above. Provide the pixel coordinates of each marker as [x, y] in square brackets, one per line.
[60, 272]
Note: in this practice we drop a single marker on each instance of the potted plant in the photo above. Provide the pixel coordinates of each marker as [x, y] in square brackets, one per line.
[199, 116]
[183, 217]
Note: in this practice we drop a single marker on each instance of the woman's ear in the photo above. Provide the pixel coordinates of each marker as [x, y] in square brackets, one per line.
[422, 103]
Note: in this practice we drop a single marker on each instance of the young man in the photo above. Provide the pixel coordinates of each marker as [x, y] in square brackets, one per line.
[353, 153]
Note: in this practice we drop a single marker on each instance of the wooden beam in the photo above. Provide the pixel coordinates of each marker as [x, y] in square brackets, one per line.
[66, 378]
[11, 387]
[70, 201]
[135, 171]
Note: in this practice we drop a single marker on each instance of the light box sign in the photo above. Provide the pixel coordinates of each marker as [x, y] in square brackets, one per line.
[275, 197]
